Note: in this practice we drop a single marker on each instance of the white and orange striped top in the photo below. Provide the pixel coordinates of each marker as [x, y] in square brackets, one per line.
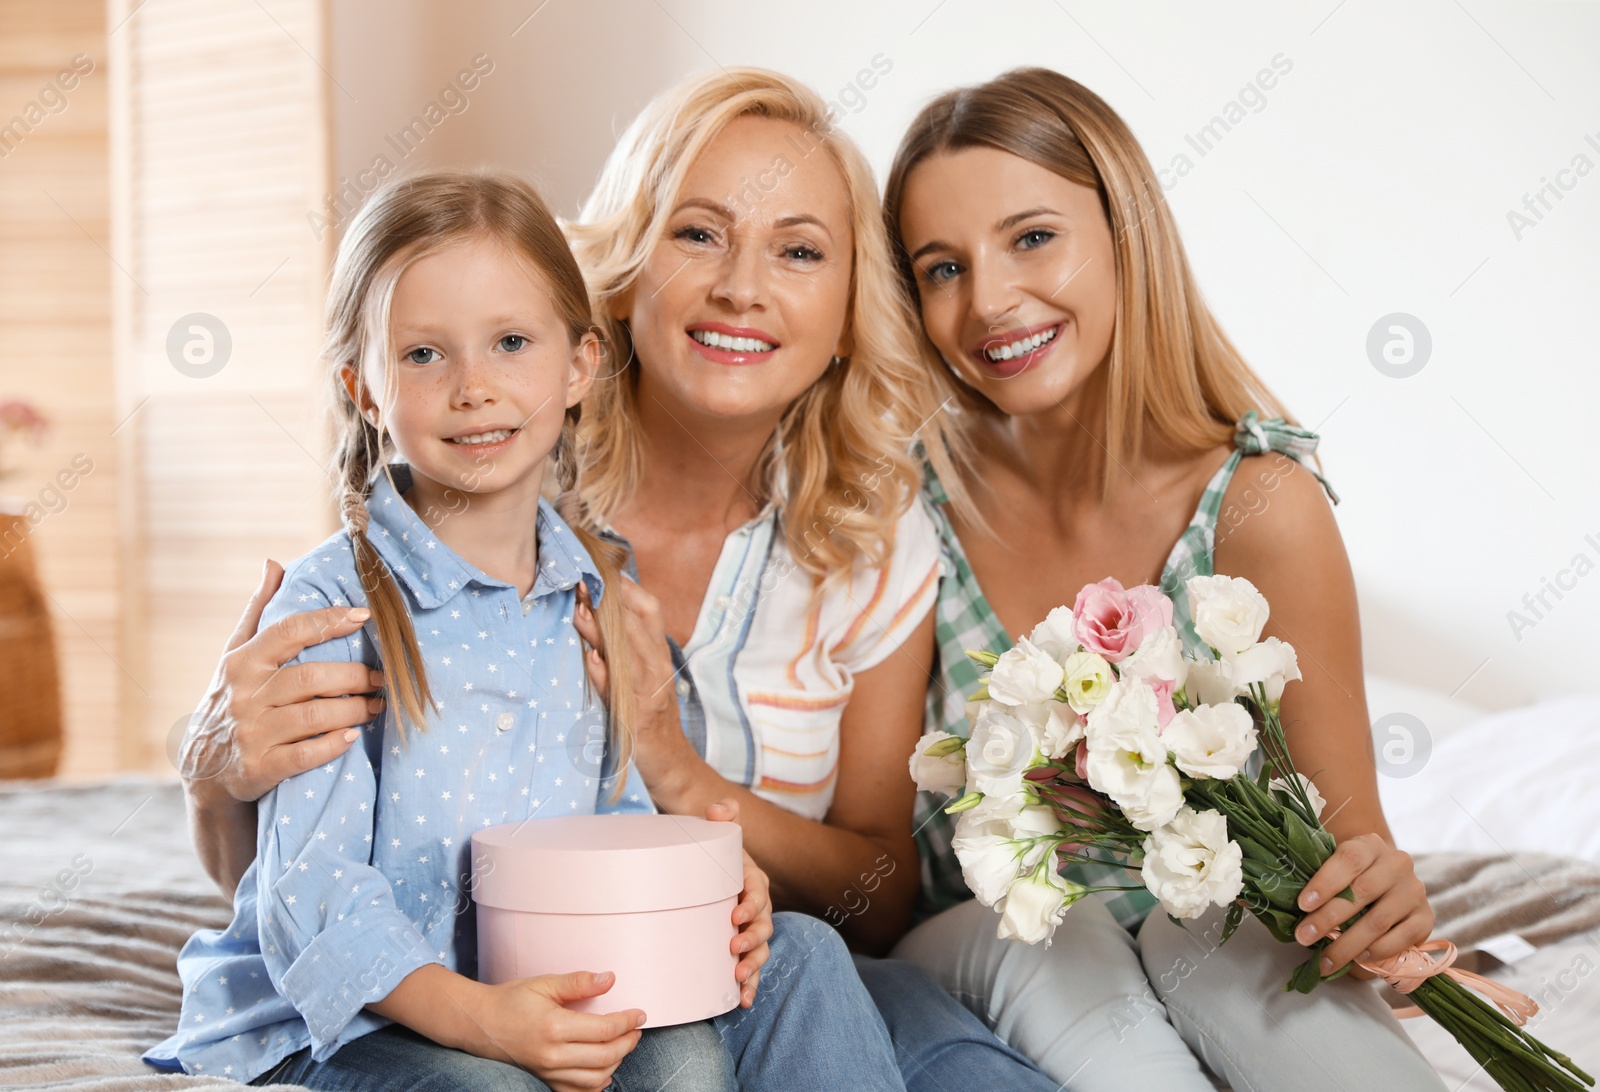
[766, 675]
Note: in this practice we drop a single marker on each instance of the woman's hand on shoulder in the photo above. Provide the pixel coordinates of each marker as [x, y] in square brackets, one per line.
[260, 722]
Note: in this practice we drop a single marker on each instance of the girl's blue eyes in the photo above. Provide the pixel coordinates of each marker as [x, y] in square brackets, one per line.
[511, 343]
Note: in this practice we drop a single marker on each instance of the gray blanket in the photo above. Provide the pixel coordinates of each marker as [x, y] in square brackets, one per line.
[98, 892]
[100, 889]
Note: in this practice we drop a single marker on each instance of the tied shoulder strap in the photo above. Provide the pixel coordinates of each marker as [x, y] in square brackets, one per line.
[1256, 435]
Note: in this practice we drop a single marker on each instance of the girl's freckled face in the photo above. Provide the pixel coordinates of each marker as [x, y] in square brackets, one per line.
[483, 369]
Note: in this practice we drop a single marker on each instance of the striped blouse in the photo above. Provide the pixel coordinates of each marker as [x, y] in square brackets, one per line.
[764, 678]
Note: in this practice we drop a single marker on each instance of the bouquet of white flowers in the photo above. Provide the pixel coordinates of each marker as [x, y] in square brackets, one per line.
[1096, 738]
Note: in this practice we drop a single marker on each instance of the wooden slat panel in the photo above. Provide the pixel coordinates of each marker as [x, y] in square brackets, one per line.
[55, 319]
[226, 152]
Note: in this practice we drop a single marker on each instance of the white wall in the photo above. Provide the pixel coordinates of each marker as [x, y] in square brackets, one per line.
[1374, 177]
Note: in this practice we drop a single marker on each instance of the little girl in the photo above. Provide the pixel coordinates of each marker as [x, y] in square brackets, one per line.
[460, 340]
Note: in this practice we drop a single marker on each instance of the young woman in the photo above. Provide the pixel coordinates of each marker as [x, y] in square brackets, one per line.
[1104, 423]
[750, 437]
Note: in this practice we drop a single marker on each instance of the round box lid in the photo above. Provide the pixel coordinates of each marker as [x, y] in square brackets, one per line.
[606, 864]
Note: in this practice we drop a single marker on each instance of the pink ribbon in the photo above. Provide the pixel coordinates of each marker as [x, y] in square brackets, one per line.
[1414, 966]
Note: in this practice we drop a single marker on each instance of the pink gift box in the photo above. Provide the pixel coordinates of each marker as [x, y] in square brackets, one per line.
[647, 897]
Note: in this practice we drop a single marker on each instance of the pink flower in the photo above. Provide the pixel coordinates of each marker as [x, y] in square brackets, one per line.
[1165, 710]
[19, 416]
[1075, 806]
[1112, 621]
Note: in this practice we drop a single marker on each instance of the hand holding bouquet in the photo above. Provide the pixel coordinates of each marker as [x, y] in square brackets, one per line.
[1097, 738]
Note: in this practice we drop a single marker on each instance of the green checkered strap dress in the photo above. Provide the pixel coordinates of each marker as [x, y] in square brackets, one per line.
[963, 619]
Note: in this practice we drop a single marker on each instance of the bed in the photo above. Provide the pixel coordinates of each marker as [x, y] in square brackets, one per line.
[100, 889]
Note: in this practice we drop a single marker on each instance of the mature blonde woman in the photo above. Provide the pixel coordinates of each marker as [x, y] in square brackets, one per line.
[751, 440]
[1116, 424]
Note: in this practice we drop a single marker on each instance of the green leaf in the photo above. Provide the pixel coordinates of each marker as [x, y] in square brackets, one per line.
[1307, 975]
[1303, 842]
[1270, 885]
[1235, 916]
[1280, 923]
[1255, 851]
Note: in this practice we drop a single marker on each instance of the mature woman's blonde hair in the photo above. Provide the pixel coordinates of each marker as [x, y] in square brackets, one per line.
[405, 220]
[1172, 370]
[842, 451]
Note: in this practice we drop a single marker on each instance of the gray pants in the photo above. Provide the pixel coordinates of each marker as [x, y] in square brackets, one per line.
[1102, 1010]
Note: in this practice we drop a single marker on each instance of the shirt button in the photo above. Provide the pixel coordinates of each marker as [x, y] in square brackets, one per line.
[527, 606]
[723, 602]
[503, 722]
[683, 687]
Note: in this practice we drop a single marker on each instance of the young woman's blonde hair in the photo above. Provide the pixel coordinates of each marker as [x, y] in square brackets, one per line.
[843, 449]
[404, 220]
[1172, 370]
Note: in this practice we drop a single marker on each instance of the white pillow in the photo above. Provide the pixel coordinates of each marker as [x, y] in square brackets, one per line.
[1519, 780]
[1443, 715]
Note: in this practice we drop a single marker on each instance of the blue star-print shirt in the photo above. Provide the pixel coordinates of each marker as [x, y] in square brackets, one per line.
[363, 872]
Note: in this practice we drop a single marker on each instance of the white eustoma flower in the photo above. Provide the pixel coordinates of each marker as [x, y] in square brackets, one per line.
[1001, 749]
[1054, 724]
[1034, 905]
[1033, 825]
[989, 858]
[1210, 682]
[1190, 863]
[1211, 740]
[1161, 797]
[945, 772]
[1228, 612]
[1272, 663]
[1055, 636]
[1088, 677]
[1001, 806]
[1160, 656]
[1127, 759]
[1312, 794]
[1024, 675]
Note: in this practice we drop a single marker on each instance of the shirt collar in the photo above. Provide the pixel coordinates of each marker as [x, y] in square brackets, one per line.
[433, 573]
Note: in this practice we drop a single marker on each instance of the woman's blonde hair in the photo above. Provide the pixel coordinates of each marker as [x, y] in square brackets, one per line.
[1172, 370]
[843, 449]
[404, 220]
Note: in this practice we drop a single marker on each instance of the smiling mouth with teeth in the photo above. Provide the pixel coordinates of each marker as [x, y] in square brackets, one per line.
[712, 339]
[499, 435]
[1021, 347]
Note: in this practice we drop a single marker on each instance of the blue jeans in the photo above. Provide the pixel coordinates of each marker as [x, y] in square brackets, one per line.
[813, 1027]
[688, 1058]
[939, 1044]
